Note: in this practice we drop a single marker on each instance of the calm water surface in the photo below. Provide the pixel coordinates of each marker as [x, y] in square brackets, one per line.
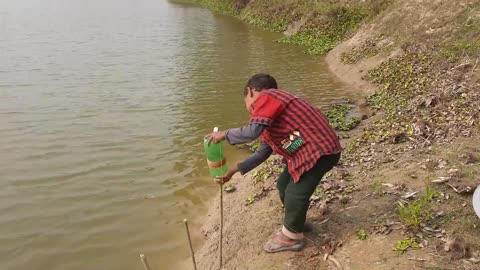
[103, 106]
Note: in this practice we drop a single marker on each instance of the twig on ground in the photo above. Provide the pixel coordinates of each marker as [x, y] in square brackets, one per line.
[336, 262]
[417, 259]
[324, 221]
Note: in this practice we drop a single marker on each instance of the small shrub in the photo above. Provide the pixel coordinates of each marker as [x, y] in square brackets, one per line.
[250, 199]
[414, 213]
[362, 234]
[403, 245]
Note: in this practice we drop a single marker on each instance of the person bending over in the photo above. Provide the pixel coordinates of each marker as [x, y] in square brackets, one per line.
[295, 130]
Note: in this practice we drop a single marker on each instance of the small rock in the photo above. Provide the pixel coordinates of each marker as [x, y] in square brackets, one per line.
[230, 188]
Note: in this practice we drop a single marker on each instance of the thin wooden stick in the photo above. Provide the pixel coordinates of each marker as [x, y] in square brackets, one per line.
[185, 221]
[143, 258]
[221, 229]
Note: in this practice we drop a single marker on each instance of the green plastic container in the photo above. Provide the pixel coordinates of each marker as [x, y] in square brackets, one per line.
[215, 157]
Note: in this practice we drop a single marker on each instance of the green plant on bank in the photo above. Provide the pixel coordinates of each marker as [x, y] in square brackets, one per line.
[335, 22]
[250, 199]
[260, 175]
[277, 24]
[338, 118]
[319, 192]
[403, 245]
[269, 168]
[414, 213]
[401, 80]
[326, 22]
[362, 234]
[226, 7]
[315, 43]
[254, 145]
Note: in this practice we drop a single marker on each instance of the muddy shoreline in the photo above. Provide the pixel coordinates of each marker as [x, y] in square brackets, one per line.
[401, 199]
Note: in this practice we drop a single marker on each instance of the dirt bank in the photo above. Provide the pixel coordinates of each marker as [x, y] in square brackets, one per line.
[401, 199]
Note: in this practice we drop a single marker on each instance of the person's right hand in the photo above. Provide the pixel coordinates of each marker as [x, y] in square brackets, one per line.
[216, 137]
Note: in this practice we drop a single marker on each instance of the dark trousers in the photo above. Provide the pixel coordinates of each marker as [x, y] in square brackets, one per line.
[296, 196]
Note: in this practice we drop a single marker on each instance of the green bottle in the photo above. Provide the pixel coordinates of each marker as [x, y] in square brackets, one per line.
[215, 157]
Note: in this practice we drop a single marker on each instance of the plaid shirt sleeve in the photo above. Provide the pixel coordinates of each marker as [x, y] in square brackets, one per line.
[265, 109]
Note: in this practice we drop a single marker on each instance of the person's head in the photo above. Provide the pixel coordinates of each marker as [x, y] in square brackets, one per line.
[256, 84]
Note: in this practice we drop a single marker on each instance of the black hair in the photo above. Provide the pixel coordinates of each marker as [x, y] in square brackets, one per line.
[259, 82]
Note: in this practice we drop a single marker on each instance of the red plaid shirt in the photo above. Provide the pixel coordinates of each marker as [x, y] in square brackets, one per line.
[288, 117]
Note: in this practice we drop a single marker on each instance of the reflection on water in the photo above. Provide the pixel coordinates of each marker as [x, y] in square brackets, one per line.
[103, 106]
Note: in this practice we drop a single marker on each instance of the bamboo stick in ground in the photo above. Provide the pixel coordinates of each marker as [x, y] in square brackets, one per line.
[185, 221]
[220, 246]
[143, 258]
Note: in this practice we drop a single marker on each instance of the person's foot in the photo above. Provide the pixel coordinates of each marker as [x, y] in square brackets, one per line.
[279, 242]
[308, 227]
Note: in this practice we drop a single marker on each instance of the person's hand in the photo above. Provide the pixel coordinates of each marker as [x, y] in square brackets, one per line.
[216, 137]
[224, 179]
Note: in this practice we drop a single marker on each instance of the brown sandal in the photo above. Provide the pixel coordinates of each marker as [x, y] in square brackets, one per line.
[275, 244]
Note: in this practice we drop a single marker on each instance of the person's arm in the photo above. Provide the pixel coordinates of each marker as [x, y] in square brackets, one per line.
[244, 134]
[263, 153]
[241, 135]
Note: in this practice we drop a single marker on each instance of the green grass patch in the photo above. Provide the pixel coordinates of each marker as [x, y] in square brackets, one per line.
[414, 213]
[338, 118]
[250, 199]
[362, 234]
[315, 43]
[254, 145]
[270, 168]
[226, 7]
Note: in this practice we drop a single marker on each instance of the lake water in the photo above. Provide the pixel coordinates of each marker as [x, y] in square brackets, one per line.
[103, 107]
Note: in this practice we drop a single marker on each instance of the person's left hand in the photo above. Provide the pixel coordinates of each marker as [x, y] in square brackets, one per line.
[216, 137]
[224, 179]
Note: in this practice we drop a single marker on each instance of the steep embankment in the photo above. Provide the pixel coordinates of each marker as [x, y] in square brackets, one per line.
[401, 198]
